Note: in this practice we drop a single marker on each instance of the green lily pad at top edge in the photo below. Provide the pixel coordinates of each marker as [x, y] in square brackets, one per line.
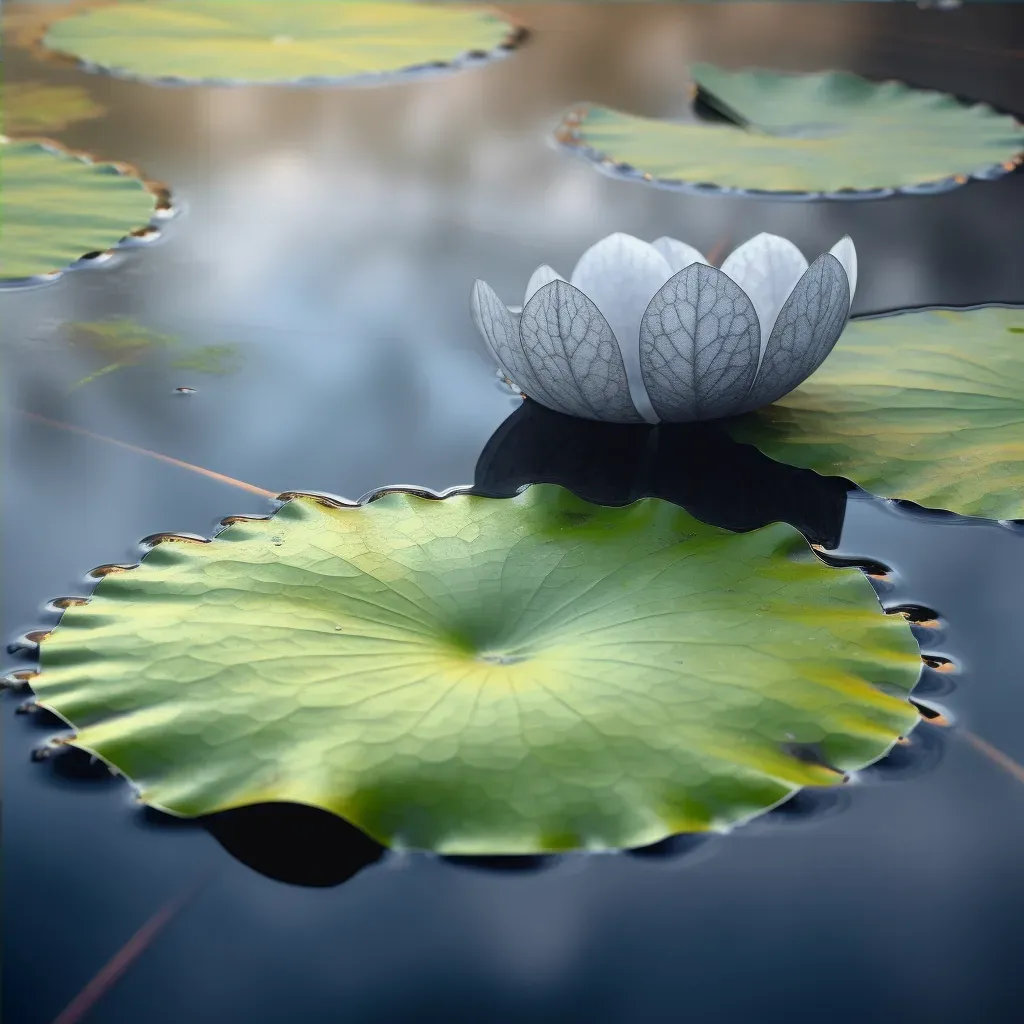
[481, 675]
[808, 133]
[926, 405]
[59, 207]
[268, 41]
[32, 107]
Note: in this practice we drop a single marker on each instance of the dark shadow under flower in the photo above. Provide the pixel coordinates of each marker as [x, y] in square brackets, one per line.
[695, 465]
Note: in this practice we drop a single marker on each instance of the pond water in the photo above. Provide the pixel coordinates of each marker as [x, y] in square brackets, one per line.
[332, 236]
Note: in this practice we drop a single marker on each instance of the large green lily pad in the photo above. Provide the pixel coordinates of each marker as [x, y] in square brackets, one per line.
[269, 41]
[480, 675]
[58, 207]
[819, 134]
[33, 107]
[926, 405]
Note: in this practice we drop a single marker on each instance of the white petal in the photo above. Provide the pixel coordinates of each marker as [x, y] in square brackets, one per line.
[574, 357]
[621, 274]
[679, 254]
[767, 268]
[846, 253]
[807, 328]
[495, 324]
[699, 345]
[541, 276]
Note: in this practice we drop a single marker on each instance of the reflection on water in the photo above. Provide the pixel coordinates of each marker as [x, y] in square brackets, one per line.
[333, 236]
[294, 844]
[696, 465]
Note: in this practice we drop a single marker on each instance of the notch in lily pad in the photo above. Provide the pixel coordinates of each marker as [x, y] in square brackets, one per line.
[483, 676]
[301, 42]
[829, 135]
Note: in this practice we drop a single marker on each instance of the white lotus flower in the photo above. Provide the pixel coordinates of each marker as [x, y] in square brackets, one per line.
[652, 332]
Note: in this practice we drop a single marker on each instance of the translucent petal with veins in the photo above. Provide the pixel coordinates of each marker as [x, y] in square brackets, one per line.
[678, 254]
[541, 276]
[699, 343]
[571, 345]
[767, 268]
[807, 328]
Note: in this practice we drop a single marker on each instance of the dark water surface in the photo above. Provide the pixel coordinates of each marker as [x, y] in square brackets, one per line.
[333, 236]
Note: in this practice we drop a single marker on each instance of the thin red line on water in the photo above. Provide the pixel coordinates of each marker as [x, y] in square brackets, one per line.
[116, 966]
[219, 477]
[995, 755]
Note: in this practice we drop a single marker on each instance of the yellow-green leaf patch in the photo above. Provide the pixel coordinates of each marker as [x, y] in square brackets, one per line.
[926, 405]
[59, 207]
[33, 107]
[268, 41]
[822, 134]
[477, 675]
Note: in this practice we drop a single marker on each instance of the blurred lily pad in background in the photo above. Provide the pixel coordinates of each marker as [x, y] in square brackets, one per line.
[122, 342]
[33, 107]
[817, 134]
[478, 675]
[926, 405]
[24, 22]
[60, 207]
[257, 41]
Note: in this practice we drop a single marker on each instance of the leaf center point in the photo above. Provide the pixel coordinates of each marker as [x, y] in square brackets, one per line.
[499, 658]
